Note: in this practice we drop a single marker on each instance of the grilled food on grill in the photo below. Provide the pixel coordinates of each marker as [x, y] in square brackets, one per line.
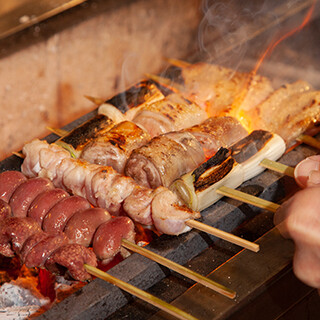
[102, 186]
[115, 146]
[64, 223]
[216, 89]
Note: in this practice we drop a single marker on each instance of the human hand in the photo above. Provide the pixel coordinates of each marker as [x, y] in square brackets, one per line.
[307, 172]
[299, 219]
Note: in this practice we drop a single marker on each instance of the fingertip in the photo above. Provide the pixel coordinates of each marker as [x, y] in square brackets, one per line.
[307, 172]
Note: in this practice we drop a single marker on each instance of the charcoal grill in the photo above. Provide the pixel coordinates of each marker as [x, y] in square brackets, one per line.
[265, 285]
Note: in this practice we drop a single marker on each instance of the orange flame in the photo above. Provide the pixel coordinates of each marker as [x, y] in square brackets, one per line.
[241, 115]
[287, 35]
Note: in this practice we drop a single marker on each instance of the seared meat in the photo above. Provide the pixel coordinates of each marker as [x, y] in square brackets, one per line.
[81, 227]
[72, 258]
[289, 111]
[9, 181]
[217, 132]
[108, 188]
[114, 147]
[58, 216]
[14, 232]
[44, 202]
[222, 91]
[25, 193]
[107, 239]
[167, 216]
[173, 113]
[164, 158]
[37, 256]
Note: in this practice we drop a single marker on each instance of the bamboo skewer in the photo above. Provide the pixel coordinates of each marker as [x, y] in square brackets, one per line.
[223, 234]
[313, 142]
[95, 100]
[178, 313]
[180, 269]
[247, 198]
[278, 167]
[179, 63]
[58, 132]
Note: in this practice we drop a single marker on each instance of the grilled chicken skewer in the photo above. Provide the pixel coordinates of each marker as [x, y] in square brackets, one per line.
[57, 212]
[108, 189]
[125, 147]
[229, 167]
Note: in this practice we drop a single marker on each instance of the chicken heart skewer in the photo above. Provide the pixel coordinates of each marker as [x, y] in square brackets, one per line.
[82, 257]
[82, 225]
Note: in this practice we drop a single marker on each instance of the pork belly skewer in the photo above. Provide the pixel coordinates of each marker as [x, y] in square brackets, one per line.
[172, 113]
[216, 88]
[254, 102]
[114, 147]
[168, 156]
[82, 225]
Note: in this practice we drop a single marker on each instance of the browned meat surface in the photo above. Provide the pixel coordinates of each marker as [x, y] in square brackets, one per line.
[14, 232]
[44, 202]
[217, 132]
[289, 111]
[9, 181]
[107, 239]
[108, 188]
[25, 193]
[164, 159]
[32, 241]
[114, 147]
[168, 217]
[37, 256]
[173, 113]
[81, 227]
[5, 210]
[55, 220]
[70, 259]
[138, 205]
[223, 91]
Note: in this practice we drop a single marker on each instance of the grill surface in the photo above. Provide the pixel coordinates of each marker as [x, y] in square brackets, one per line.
[204, 253]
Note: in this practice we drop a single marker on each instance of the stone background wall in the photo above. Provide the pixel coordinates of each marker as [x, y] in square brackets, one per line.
[98, 49]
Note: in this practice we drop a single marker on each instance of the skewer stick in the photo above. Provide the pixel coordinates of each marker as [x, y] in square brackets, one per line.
[313, 142]
[223, 234]
[278, 167]
[95, 100]
[58, 132]
[165, 82]
[180, 269]
[248, 198]
[178, 313]
[179, 63]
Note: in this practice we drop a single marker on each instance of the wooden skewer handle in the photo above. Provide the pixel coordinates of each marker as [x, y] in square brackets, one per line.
[180, 269]
[313, 142]
[278, 167]
[247, 198]
[223, 235]
[179, 314]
